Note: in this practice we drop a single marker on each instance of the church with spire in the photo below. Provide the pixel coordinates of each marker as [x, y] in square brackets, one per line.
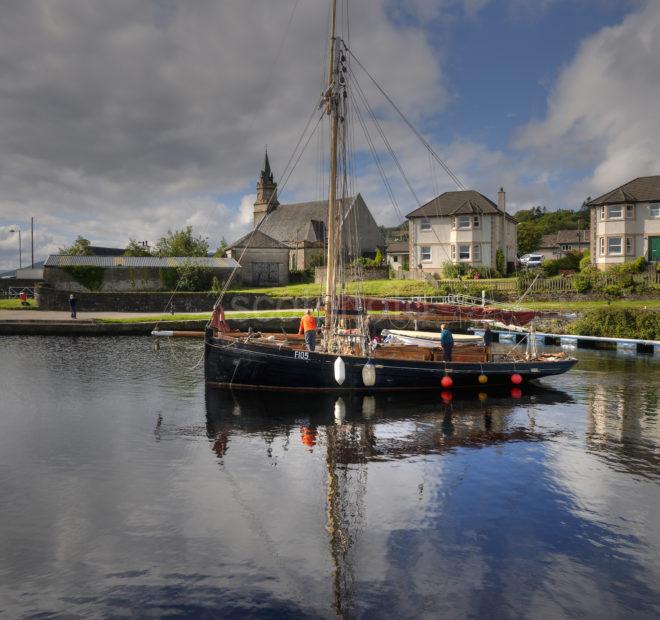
[302, 227]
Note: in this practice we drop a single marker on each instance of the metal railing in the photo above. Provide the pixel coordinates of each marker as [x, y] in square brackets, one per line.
[14, 291]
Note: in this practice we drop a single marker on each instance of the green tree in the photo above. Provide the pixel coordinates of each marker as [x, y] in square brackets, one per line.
[135, 248]
[222, 249]
[529, 237]
[80, 247]
[182, 243]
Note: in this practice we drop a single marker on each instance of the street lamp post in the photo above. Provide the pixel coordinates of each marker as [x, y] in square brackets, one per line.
[20, 248]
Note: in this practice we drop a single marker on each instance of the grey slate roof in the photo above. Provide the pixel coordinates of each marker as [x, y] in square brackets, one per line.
[301, 221]
[135, 262]
[564, 236]
[398, 247]
[257, 239]
[641, 189]
[98, 250]
[458, 203]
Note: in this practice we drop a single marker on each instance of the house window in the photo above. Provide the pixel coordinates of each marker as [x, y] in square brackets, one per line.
[463, 252]
[395, 259]
[565, 247]
[476, 253]
[425, 225]
[629, 245]
[602, 213]
[614, 212]
[463, 221]
[630, 212]
[425, 253]
[655, 209]
[602, 246]
[453, 252]
[475, 222]
[614, 245]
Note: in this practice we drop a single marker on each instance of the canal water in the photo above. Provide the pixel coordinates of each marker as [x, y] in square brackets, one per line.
[127, 489]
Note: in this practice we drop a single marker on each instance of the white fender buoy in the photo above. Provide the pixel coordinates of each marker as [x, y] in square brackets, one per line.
[340, 371]
[340, 410]
[369, 374]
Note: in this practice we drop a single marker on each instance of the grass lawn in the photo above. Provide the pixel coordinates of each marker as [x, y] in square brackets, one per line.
[391, 288]
[163, 318]
[15, 304]
[578, 306]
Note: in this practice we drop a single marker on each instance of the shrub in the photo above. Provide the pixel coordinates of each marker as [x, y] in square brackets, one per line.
[585, 261]
[618, 323]
[301, 276]
[194, 278]
[635, 266]
[453, 270]
[499, 261]
[86, 275]
[612, 290]
[582, 282]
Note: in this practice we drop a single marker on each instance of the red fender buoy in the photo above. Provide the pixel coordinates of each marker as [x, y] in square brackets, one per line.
[446, 381]
[516, 379]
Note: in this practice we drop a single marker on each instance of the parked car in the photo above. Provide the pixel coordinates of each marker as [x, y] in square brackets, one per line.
[529, 261]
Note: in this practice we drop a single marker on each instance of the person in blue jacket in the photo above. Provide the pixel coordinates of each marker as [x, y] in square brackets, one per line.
[447, 342]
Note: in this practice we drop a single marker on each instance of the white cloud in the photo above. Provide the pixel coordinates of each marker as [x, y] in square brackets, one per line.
[125, 119]
[603, 111]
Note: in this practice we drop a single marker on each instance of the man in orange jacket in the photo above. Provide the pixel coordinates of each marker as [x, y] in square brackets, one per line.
[308, 327]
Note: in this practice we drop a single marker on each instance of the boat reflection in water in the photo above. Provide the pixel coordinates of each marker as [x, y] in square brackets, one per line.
[356, 429]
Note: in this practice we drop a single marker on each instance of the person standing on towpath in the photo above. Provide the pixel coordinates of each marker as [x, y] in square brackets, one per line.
[308, 327]
[72, 304]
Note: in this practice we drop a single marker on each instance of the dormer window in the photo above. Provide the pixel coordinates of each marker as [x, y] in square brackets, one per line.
[425, 225]
[475, 222]
[655, 209]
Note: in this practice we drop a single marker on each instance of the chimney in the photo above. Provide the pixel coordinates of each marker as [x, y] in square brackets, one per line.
[501, 200]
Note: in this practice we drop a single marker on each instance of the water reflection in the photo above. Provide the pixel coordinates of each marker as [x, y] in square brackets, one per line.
[436, 424]
[353, 431]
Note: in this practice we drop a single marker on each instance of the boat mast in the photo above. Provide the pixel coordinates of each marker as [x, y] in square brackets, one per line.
[331, 108]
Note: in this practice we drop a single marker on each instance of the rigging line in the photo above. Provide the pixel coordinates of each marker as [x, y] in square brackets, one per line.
[282, 184]
[400, 168]
[421, 138]
[388, 146]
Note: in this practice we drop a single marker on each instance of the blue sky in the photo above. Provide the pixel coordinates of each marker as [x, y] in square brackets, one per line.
[129, 119]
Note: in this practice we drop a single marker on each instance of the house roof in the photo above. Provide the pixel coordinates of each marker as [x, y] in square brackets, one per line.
[301, 221]
[98, 250]
[59, 260]
[257, 239]
[398, 247]
[458, 203]
[564, 236]
[641, 189]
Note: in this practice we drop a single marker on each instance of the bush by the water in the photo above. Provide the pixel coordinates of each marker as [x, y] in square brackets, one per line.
[618, 323]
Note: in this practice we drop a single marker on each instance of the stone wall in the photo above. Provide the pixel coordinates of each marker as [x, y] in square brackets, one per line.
[118, 279]
[54, 299]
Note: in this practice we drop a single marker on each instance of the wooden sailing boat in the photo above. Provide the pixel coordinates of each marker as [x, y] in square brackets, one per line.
[347, 358]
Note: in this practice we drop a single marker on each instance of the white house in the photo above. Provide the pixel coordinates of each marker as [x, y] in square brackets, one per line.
[625, 223]
[465, 227]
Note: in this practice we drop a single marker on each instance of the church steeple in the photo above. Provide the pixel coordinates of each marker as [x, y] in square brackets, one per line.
[266, 174]
[266, 193]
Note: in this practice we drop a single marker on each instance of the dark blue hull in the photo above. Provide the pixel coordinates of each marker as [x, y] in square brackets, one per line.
[230, 362]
